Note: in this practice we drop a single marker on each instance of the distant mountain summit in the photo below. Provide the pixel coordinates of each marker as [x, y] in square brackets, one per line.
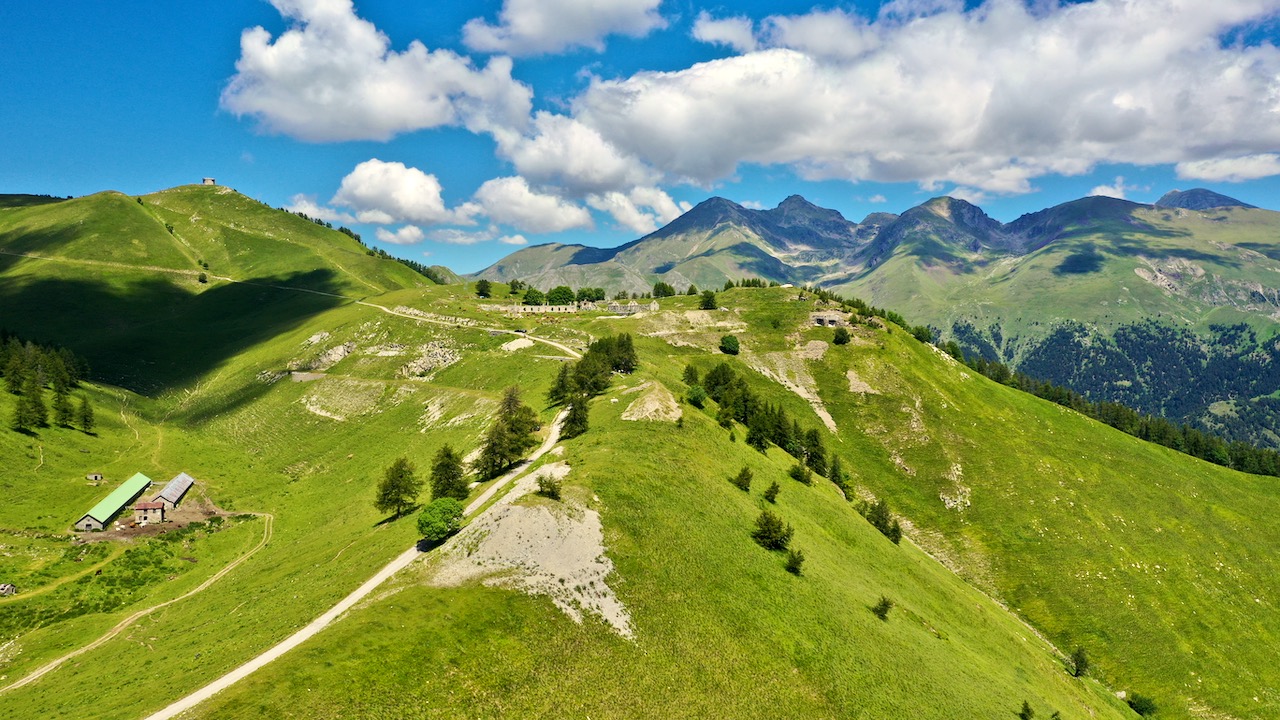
[1199, 199]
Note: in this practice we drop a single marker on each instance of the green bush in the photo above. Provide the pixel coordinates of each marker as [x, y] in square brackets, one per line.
[795, 559]
[841, 337]
[742, 480]
[729, 345]
[882, 608]
[548, 486]
[696, 396]
[801, 474]
[1142, 704]
[440, 519]
[771, 533]
[771, 494]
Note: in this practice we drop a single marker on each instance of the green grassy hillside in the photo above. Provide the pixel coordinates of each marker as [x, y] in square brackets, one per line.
[104, 276]
[1159, 565]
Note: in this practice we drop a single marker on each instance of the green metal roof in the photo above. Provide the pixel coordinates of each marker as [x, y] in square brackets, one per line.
[121, 496]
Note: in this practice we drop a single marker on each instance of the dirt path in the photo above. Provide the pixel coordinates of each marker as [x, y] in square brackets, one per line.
[399, 563]
[125, 623]
[116, 552]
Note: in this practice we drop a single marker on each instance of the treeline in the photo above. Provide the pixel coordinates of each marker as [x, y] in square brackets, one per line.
[426, 271]
[28, 369]
[1237, 454]
[578, 382]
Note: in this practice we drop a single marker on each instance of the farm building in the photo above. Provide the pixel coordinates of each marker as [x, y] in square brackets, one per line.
[146, 513]
[93, 477]
[101, 514]
[172, 493]
[8, 589]
[208, 181]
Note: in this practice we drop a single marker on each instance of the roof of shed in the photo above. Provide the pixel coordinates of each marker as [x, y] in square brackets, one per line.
[111, 504]
[176, 488]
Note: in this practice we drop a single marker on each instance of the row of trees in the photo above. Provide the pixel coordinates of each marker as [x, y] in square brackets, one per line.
[576, 383]
[28, 369]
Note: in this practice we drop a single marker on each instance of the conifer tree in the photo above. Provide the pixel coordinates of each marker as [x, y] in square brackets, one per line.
[771, 532]
[84, 415]
[63, 414]
[563, 386]
[399, 488]
[31, 412]
[575, 423]
[15, 372]
[509, 437]
[448, 477]
[690, 375]
[771, 494]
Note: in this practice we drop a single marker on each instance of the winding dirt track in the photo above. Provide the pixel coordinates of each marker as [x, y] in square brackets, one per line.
[399, 563]
[125, 623]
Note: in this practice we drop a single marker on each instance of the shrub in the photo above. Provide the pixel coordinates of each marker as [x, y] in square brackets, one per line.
[696, 396]
[440, 519]
[841, 337]
[1026, 713]
[795, 559]
[1142, 704]
[771, 533]
[802, 474]
[1079, 662]
[742, 480]
[771, 494]
[202, 278]
[690, 375]
[548, 486]
[882, 608]
[729, 345]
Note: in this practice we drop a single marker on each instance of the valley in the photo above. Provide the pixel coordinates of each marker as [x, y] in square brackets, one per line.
[1029, 530]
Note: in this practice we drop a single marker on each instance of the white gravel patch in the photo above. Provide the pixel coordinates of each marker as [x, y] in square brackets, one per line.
[548, 548]
[517, 344]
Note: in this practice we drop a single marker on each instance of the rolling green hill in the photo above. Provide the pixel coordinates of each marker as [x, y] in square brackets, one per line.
[104, 276]
[1030, 530]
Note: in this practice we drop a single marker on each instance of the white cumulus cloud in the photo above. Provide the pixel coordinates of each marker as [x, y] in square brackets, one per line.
[1115, 190]
[530, 27]
[735, 32]
[516, 239]
[573, 156]
[407, 235]
[333, 76]
[1235, 169]
[391, 192]
[641, 210]
[987, 99]
[510, 201]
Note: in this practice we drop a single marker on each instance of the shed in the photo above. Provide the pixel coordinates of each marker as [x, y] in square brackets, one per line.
[172, 493]
[93, 477]
[8, 589]
[208, 181]
[829, 318]
[101, 514]
[145, 513]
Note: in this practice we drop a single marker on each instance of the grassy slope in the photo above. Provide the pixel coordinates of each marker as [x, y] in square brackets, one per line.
[150, 330]
[722, 629]
[257, 448]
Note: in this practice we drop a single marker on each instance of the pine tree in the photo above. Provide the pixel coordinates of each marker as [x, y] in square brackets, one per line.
[62, 411]
[509, 437]
[84, 415]
[795, 559]
[1026, 713]
[448, 477]
[690, 375]
[576, 422]
[31, 412]
[771, 532]
[836, 471]
[563, 387]
[771, 494]
[15, 372]
[399, 488]
[742, 480]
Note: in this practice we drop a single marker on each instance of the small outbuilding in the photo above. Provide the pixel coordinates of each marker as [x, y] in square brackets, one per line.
[173, 493]
[7, 589]
[102, 513]
[208, 181]
[829, 318]
[148, 513]
[93, 477]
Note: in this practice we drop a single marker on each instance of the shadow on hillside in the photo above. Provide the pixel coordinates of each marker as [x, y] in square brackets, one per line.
[21, 201]
[149, 335]
[1268, 249]
[42, 241]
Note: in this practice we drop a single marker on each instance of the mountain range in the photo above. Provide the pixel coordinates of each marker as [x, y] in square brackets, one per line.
[1168, 307]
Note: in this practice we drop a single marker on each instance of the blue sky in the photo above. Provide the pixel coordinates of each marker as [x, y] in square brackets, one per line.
[453, 133]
